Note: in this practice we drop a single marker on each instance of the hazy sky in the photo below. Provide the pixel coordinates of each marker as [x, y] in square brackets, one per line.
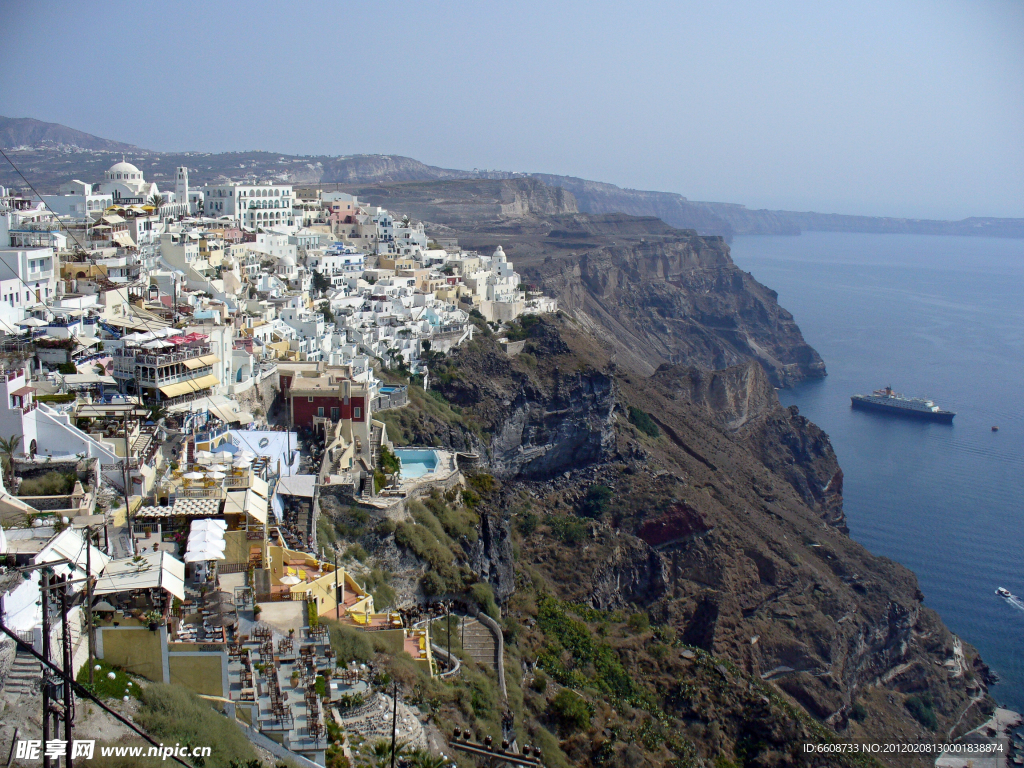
[881, 108]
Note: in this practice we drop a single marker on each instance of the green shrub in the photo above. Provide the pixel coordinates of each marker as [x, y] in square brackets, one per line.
[50, 484]
[311, 612]
[388, 460]
[68, 369]
[569, 529]
[356, 552]
[349, 643]
[173, 714]
[858, 712]
[483, 594]
[643, 421]
[539, 682]
[469, 498]
[570, 711]
[595, 503]
[920, 707]
[639, 623]
[528, 523]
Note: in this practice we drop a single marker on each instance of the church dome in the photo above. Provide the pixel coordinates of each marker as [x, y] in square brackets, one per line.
[499, 254]
[123, 170]
[286, 261]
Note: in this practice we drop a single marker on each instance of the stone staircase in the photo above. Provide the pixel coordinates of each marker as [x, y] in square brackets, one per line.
[376, 435]
[24, 676]
[478, 643]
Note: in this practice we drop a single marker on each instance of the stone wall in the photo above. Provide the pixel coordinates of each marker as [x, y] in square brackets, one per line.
[262, 396]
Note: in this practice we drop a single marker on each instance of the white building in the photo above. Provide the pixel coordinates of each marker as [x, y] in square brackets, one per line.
[78, 200]
[252, 206]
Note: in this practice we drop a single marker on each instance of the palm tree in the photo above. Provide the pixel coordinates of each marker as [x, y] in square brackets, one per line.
[381, 751]
[157, 201]
[421, 758]
[8, 447]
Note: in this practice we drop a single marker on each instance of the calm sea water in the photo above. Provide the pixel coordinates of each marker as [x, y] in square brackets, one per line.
[943, 318]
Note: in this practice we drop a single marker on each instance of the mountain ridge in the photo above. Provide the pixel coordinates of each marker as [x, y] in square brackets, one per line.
[707, 218]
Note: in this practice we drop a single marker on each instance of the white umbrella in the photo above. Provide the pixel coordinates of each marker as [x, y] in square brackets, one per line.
[197, 537]
[202, 555]
[290, 580]
[146, 336]
[203, 455]
[241, 463]
[193, 475]
[209, 524]
[156, 344]
[245, 453]
[216, 475]
[33, 322]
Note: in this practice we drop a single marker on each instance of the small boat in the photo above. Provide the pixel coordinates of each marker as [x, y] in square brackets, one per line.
[995, 429]
[1003, 592]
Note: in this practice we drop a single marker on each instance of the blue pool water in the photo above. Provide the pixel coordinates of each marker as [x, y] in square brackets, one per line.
[416, 462]
[941, 317]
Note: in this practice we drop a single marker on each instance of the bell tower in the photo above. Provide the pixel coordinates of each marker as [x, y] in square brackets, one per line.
[181, 184]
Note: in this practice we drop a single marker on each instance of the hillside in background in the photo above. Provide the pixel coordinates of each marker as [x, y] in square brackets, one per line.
[29, 132]
[48, 157]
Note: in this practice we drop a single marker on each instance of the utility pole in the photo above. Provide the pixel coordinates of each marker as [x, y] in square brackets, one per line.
[337, 596]
[394, 724]
[68, 668]
[448, 607]
[88, 599]
[45, 593]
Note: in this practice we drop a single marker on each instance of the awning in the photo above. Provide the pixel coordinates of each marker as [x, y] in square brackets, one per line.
[199, 362]
[124, 239]
[192, 385]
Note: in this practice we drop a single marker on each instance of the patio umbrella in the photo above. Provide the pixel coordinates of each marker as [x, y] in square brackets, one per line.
[193, 476]
[209, 523]
[103, 605]
[33, 322]
[222, 621]
[220, 599]
[156, 344]
[245, 453]
[216, 475]
[201, 555]
[290, 580]
[203, 455]
[206, 538]
[241, 463]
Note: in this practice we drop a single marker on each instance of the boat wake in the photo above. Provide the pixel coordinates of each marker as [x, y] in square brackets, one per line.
[1011, 598]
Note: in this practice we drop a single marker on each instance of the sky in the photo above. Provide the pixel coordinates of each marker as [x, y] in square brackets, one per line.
[911, 108]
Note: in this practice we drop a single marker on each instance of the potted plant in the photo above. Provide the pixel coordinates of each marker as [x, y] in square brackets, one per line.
[154, 619]
[295, 678]
[291, 632]
[256, 611]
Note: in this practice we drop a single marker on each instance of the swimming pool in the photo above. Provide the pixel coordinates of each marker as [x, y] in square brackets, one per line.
[416, 462]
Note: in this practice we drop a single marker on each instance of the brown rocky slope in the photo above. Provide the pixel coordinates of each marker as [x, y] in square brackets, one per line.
[724, 531]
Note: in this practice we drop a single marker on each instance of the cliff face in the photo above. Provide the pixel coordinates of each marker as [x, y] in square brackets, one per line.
[597, 197]
[681, 301]
[727, 529]
[466, 203]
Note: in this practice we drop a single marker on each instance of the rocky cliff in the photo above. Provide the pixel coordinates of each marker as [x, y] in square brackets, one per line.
[466, 203]
[724, 527]
[681, 301]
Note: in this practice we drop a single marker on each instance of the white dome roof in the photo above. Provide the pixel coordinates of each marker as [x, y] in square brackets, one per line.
[123, 167]
[286, 261]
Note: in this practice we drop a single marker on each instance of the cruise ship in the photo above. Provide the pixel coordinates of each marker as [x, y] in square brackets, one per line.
[894, 402]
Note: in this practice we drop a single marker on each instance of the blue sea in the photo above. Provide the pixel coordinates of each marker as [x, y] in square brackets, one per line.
[936, 317]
